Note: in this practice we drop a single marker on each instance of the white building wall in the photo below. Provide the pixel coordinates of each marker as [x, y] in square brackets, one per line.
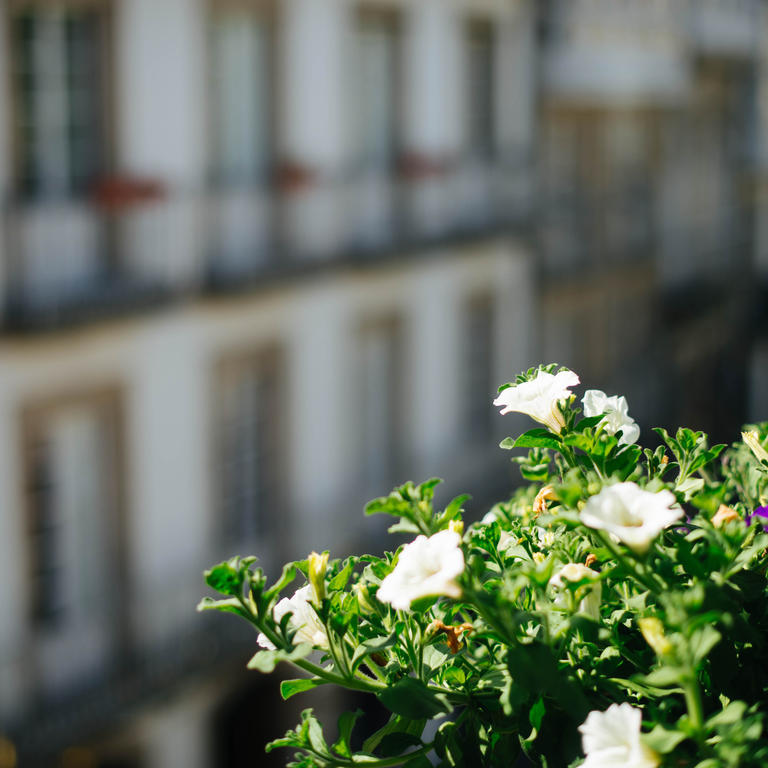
[168, 408]
[312, 50]
[160, 90]
[165, 366]
[320, 398]
[161, 80]
[432, 56]
[515, 84]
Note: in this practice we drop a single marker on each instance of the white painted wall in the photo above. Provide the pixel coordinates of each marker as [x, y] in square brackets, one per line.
[160, 90]
[165, 366]
[312, 47]
[432, 57]
[516, 78]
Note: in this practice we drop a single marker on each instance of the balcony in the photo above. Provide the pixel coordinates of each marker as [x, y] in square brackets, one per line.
[72, 260]
[616, 51]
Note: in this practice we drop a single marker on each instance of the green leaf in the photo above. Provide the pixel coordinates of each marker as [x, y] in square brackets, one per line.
[396, 743]
[664, 677]
[411, 698]
[663, 741]
[537, 438]
[230, 605]
[286, 577]
[225, 578]
[266, 661]
[347, 722]
[734, 712]
[703, 641]
[290, 688]
[536, 715]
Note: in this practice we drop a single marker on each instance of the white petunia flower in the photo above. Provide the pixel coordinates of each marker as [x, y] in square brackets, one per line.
[540, 398]
[597, 403]
[304, 620]
[591, 594]
[630, 514]
[425, 567]
[612, 738]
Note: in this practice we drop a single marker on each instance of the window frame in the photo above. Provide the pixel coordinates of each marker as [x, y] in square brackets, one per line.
[268, 12]
[34, 417]
[106, 97]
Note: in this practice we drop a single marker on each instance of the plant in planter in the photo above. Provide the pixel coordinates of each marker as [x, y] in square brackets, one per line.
[613, 612]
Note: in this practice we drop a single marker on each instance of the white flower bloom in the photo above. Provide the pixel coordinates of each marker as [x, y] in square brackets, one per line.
[612, 738]
[630, 514]
[573, 572]
[540, 398]
[304, 620]
[597, 403]
[490, 517]
[426, 566]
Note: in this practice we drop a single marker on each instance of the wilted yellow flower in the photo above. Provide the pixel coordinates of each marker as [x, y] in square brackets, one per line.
[752, 439]
[653, 632]
[318, 564]
[547, 493]
[724, 514]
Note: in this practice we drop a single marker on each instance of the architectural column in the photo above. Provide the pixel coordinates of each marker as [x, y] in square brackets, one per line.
[313, 49]
[432, 122]
[160, 88]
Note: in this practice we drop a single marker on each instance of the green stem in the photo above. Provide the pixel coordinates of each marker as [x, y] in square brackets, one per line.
[694, 707]
[631, 566]
[385, 762]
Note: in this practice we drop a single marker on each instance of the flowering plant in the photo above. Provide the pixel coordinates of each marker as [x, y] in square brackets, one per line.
[612, 612]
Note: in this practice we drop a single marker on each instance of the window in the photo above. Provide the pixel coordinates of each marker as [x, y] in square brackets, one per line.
[250, 446]
[380, 379]
[59, 77]
[375, 105]
[241, 59]
[480, 86]
[73, 504]
[479, 373]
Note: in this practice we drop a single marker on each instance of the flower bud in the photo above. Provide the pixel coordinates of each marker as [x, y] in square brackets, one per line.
[318, 564]
[752, 439]
[457, 526]
[363, 597]
[653, 632]
[724, 514]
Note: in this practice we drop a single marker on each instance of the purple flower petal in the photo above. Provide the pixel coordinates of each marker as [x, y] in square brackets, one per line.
[760, 515]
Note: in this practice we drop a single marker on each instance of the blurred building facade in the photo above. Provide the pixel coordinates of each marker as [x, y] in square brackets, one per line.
[263, 260]
[245, 248]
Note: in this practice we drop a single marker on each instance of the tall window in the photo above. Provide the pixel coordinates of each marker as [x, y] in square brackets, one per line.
[479, 89]
[380, 381]
[479, 374]
[59, 74]
[241, 93]
[72, 487]
[250, 448]
[375, 105]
